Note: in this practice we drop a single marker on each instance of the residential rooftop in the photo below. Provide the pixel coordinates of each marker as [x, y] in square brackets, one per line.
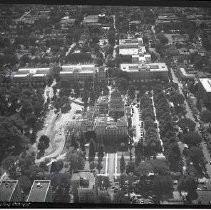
[7, 189]
[39, 191]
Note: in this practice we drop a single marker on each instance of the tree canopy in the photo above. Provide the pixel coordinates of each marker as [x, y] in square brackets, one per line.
[192, 138]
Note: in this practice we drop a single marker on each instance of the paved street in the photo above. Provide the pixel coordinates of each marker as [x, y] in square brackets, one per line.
[158, 126]
[111, 166]
[136, 122]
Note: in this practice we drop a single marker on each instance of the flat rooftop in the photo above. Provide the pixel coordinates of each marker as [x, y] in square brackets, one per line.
[131, 51]
[20, 75]
[39, 75]
[79, 67]
[153, 67]
[39, 191]
[130, 41]
[6, 190]
[206, 83]
[66, 72]
[33, 70]
[110, 122]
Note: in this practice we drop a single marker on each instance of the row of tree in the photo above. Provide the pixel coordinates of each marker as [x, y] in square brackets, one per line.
[167, 131]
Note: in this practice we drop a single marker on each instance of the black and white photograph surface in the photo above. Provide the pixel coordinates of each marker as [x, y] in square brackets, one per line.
[105, 105]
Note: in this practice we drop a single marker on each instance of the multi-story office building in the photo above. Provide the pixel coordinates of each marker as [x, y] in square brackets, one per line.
[68, 73]
[131, 46]
[80, 73]
[146, 72]
[134, 48]
[10, 191]
[40, 191]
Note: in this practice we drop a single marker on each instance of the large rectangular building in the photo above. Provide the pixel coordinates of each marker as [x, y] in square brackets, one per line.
[34, 75]
[131, 46]
[146, 72]
[78, 73]
[40, 191]
[10, 191]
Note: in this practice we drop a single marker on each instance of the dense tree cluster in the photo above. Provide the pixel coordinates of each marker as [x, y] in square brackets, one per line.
[42, 145]
[167, 131]
[153, 176]
[20, 110]
[151, 143]
[75, 58]
[188, 184]
[76, 159]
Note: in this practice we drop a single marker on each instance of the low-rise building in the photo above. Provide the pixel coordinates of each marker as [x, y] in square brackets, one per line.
[146, 72]
[205, 89]
[40, 191]
[91, 19]
[10, 191]
[166, 18]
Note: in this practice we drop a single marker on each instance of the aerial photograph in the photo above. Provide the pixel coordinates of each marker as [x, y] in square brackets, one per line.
[105, 105]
